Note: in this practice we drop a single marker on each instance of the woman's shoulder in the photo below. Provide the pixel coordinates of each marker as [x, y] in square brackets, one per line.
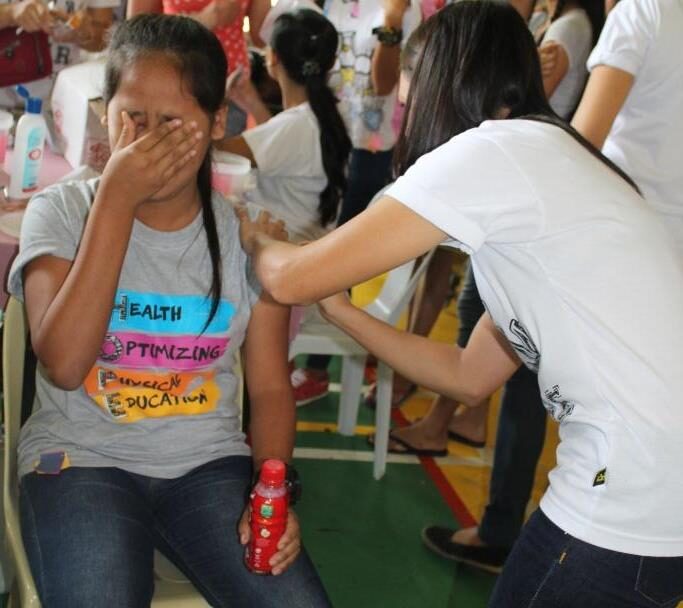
[71, 199]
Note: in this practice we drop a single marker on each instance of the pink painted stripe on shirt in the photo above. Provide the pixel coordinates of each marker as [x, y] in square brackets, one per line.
[139, 351]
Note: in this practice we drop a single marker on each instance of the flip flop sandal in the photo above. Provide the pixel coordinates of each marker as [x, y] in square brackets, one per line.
[409, 449]
[465, 440]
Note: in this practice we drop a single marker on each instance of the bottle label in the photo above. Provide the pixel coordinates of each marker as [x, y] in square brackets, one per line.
[268, 523]
[34, 156]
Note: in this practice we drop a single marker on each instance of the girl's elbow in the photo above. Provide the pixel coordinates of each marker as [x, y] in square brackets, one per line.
[64, 379]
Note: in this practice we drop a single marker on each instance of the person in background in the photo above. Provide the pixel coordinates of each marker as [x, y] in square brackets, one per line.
[567, 260]
[365, 79]
[225, 18]
[73, 26]
[300, 154]
[136, 414]
[633, 104]
[565, 41]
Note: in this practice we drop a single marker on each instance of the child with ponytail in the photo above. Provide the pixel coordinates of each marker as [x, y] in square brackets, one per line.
[301, 153]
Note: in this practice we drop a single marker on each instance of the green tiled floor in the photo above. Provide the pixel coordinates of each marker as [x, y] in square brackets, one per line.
[364, 535]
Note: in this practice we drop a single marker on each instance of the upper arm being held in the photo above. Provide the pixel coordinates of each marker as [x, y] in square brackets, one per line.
[42, 279]
[603, 98]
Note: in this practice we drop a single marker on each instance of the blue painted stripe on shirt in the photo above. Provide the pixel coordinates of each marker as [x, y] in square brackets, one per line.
[168, 313]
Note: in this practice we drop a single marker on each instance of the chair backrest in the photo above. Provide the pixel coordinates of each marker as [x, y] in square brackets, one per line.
[14, 338]
[399, 287]
[15, 332]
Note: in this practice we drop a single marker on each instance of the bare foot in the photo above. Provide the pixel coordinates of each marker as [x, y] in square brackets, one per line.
[420, 435]
[470, 422]
[469, 537]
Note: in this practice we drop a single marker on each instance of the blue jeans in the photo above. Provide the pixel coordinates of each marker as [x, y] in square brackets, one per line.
[519, 441]
[90, 535]
[551, 569]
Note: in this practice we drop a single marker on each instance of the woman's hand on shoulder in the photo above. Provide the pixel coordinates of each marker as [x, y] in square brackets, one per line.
[289, 546]
[262, 226]
[138, 168]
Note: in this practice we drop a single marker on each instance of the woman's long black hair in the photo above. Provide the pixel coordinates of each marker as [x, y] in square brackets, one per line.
[202, 65]
[479, 60]
[306, 45]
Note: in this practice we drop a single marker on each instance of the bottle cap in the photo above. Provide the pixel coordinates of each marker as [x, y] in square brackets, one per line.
[34, 105]
[273, 472]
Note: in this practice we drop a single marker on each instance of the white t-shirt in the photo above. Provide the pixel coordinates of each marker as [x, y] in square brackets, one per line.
[645, 39]
[583, 279]
[368, 117]
[574, 32]
[63, 54]
[290, 175]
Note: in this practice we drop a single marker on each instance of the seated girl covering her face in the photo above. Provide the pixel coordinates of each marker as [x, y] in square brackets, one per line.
[301, 153]
[581, 282]
[139, 299]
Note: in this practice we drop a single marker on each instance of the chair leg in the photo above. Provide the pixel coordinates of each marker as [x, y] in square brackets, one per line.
[349, 399]
[385, 382]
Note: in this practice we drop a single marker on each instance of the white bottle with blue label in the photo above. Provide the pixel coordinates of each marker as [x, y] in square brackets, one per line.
[29, 141]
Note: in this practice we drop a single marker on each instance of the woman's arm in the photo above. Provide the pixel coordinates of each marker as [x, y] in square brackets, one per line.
[605, 94]
[273, 412]
[237, 145]
[384, 70]
[379, 239]
[258, 9]
[138, 7]
[553, 71]
[468, 375]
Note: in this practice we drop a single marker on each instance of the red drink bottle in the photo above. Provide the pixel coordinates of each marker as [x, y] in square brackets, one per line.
[268, 516]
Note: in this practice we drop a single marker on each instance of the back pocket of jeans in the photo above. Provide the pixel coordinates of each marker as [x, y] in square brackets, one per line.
[660, 580]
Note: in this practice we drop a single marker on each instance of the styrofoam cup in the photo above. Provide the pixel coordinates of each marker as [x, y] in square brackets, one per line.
[231, 173]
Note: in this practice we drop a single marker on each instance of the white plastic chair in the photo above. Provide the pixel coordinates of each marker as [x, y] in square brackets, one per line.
[317, 337]
[171, 588]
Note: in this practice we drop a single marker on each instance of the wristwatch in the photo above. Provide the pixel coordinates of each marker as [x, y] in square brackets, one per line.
[293, 483]
[388, 36]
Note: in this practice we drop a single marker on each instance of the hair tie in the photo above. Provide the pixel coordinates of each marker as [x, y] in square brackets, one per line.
[310, 68]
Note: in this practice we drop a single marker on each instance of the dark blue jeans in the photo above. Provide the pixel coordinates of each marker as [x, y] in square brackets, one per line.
[519, 441]
[369, 172]
[551, 569]
[90, 535]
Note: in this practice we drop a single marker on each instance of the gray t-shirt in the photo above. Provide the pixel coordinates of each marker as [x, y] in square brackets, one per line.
[161, 398]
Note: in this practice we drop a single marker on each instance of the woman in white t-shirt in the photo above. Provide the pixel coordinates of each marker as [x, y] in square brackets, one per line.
[633, 104]
[568, 36]
[300, 154]
[567, 258]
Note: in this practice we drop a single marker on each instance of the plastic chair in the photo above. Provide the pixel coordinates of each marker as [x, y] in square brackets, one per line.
[171, 588]
[317, 337]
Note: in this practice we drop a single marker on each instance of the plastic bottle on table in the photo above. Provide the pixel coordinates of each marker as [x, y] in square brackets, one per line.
[29, 141]
[268, 516]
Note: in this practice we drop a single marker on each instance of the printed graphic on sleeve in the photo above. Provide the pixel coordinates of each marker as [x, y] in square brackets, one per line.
[158, 359]
[558, 407]
[524, 346]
